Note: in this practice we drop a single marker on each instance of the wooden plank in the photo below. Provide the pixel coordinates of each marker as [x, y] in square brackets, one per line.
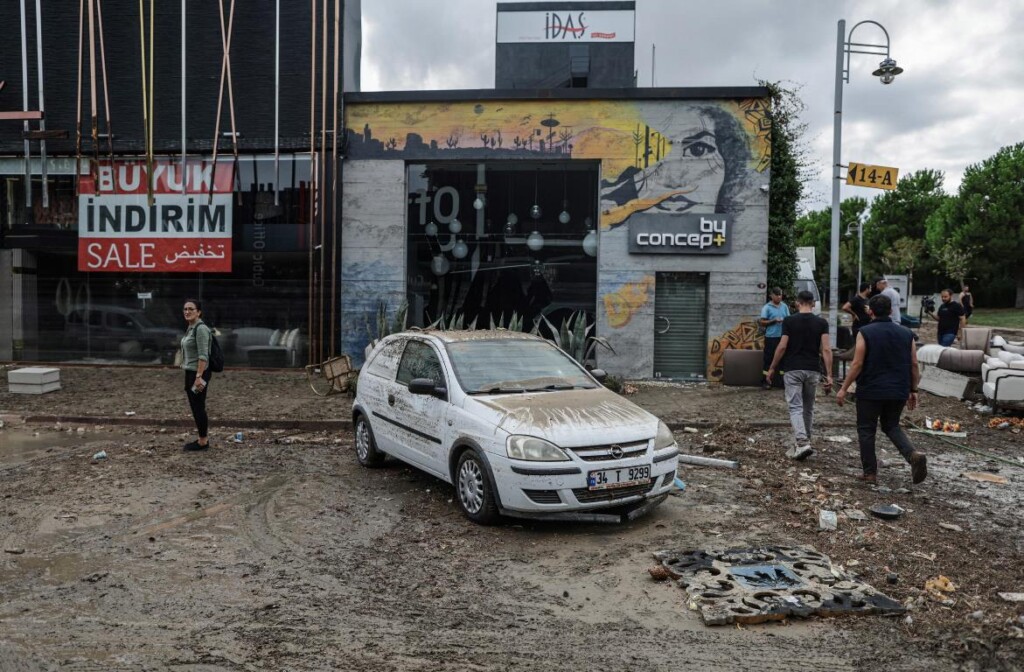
[945, 383]
[18, 115]
[45, 135]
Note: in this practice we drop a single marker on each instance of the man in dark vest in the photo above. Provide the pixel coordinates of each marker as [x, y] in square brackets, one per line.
[885, 368]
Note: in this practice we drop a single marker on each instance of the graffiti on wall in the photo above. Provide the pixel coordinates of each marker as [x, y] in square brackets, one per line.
[744, 336]
[622, 304]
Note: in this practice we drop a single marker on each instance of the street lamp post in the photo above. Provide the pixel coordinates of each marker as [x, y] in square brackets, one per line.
[886, 72]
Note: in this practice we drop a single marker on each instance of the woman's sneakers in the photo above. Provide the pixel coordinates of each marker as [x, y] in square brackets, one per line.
[195, 445]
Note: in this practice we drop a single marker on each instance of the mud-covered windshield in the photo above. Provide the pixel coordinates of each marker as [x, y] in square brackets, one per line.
[508, 366]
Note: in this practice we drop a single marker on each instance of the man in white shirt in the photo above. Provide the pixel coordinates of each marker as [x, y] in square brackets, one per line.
[882, 287]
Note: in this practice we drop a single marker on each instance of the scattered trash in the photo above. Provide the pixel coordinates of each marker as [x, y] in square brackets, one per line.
[938, 587]
[827, 520]
[939, 425]
[892, 578]
[14, 551]
[679, 484]
[853, 563]
[951, 527]
[985, 477]
[102, 455]
[977, 615]
[659, 573]
[909, 620]
[1009, 597]
[1003, 423]
[80, 430]
[690, 430]
[930, 557]
[750, 439]
[890, 512]
[983, 408]
[941, 432]
[854, 514]
[239, 437]
[708, 461]
[129, 413]
[769, 583]
[839, 439]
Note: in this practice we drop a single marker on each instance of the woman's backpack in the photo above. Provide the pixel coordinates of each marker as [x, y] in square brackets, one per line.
[216, 363]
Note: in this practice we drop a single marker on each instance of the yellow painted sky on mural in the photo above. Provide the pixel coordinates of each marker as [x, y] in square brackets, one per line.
[596, 129]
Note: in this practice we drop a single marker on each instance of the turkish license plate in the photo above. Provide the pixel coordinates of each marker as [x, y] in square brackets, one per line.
[623, 477]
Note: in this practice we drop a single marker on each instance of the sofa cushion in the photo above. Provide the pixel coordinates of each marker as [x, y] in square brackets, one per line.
[929, 354]
[975, 338]
[1018, 349]
[275, 337]
[1010, 357]
[962, 361]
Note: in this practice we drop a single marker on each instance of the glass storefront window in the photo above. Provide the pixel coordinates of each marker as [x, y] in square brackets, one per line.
[486, 241]
[260, 307]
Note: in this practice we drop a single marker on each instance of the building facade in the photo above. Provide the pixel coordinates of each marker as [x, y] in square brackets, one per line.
[643, 210]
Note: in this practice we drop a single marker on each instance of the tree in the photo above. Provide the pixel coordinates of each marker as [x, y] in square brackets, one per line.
[902, 214]
[904, 255]
[814, 229]
[988, 214]
[955, 262]
[788, 177]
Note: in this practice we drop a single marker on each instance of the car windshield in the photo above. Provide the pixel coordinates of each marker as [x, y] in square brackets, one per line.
[511, 366]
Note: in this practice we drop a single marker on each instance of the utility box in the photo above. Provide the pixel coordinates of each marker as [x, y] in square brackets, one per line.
[33, 380]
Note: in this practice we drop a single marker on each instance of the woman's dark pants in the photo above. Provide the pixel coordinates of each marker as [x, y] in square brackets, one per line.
[197, 401]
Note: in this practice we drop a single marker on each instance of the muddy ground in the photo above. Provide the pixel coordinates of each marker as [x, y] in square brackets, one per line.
[280, 553]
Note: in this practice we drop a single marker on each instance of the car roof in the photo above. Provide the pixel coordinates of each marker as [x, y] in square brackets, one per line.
[462, 335]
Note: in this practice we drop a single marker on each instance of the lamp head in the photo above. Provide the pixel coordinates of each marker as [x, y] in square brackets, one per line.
[887, 70]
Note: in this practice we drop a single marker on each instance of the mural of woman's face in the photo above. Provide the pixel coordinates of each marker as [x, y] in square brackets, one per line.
[692, 173]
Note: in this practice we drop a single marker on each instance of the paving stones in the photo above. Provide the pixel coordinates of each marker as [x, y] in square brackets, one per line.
[770, 583]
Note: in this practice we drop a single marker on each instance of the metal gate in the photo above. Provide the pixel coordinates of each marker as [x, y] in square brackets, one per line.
[680, 325]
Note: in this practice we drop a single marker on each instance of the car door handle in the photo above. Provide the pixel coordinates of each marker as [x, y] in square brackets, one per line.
[668, 325]
[391, 400]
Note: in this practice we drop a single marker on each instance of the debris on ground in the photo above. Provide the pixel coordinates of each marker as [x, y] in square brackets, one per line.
[938, 589]
[102, 455]
[839, 439]
[1012, 597]
[985, 477]
[951, 527]
[770, 583]
[1003, 423]
[890, 512]
[827, 520]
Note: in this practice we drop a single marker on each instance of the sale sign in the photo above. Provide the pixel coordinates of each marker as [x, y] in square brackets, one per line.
[185, 228]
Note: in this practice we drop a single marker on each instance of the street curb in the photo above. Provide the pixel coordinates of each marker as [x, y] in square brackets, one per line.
[341, 425]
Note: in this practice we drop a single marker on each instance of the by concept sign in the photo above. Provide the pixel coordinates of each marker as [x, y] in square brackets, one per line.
[680, 234]
[185, 227]
[566, 26]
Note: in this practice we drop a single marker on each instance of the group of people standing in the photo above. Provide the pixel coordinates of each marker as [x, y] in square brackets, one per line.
[884, 367]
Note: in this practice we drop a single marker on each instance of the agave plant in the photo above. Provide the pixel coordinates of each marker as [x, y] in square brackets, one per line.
[383, 325]
[456, 322]
[575, 339]
[515, 322]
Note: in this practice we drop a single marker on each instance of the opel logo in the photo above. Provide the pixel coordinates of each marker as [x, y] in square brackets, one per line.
[616, 451]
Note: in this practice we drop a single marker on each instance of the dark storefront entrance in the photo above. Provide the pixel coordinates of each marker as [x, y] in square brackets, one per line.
[489, 240]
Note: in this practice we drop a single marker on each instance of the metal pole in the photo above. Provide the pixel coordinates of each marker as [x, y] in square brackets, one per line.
[277, 100]
[25, 125]
[183, 153]
[42, 104]
[833, 289]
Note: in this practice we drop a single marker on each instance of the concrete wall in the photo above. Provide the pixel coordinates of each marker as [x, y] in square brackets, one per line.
[373, 247]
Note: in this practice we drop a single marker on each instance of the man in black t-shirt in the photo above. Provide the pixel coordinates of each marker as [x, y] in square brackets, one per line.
[804, 343]
[858, 307]
[950, 316]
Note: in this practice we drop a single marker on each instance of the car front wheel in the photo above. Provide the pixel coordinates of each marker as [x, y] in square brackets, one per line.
[474, 490]
[366, 448]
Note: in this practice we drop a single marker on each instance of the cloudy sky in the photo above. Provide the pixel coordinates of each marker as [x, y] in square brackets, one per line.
[960, 99]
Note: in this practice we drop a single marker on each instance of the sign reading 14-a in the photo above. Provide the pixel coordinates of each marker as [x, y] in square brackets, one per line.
[876, 177]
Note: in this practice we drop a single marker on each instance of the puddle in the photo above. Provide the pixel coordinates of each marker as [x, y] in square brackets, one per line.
[23, 444]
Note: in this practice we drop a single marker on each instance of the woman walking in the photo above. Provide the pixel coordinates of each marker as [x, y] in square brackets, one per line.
[195, 359]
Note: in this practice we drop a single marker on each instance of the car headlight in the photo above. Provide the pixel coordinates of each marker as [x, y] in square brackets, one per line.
[532, 448]
[664, 438]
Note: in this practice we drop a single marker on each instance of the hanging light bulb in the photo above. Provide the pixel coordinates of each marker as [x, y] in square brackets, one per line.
[512, 220]
[563, 216]
[455, 226]
[537, 268]
[439, 265]
[590, 243]
[430, 229]
[510, 228]
[479, 202]
[535, 211]
[535, 241]
[460, 250]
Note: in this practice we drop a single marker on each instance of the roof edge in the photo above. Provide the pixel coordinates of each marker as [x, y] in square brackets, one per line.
[688, 93]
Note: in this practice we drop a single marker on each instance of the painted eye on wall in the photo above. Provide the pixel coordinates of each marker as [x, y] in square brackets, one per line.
[698, 149]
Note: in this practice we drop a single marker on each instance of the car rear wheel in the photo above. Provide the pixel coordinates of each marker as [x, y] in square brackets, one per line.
[474, 490]
[366, 447]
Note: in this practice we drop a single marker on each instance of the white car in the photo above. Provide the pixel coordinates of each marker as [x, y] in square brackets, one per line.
[516, 425]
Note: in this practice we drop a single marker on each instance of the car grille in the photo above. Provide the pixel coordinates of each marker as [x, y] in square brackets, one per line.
[585, 496]
[669, 477]
[543, 496]
[630, 450]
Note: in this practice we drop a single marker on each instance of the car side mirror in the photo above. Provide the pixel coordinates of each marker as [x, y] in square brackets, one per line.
[599, 374]
[427, 386]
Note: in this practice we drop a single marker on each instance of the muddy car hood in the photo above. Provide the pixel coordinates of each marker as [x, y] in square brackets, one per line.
[570, 418]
